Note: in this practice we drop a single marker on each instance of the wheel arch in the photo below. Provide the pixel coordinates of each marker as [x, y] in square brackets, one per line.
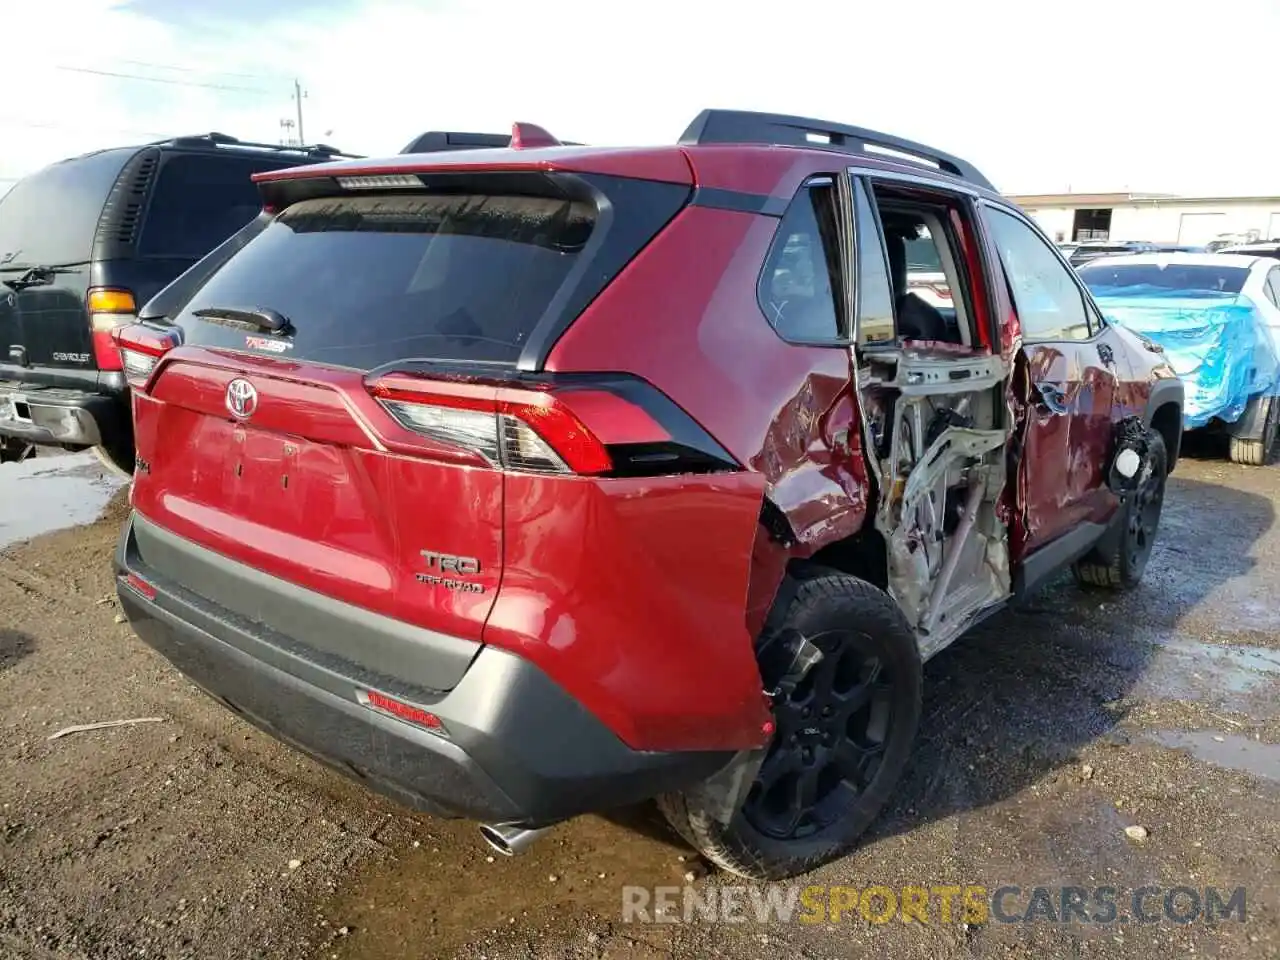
[1164, 415]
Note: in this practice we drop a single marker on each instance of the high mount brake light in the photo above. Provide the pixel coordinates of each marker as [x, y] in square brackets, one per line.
[109, 309]
[541, 434]
[141, 347]
[386, 181]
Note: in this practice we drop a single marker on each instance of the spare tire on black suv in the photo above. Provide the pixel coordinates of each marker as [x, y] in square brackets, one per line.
[84, 243]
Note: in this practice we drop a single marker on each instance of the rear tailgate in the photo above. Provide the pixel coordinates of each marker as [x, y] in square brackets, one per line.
[50, 219]
[270, 449]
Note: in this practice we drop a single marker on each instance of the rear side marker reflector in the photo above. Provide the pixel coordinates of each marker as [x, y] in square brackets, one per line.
[138, 585]
[401, 711]
[389, 181]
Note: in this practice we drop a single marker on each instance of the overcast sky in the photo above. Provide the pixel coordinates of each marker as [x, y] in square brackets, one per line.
[1123, 94]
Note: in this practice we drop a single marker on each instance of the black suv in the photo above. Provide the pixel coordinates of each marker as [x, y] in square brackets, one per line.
[83, 244]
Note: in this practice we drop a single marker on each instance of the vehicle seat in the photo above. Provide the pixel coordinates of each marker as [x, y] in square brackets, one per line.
[917, 319]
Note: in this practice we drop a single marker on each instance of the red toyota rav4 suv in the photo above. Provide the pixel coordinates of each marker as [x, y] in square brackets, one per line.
[527, 481]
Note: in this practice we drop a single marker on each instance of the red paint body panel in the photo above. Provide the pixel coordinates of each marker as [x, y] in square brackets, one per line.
[627, 592]
[630, 593]
[316, 489]
[699, 335]
[772, 171]
[787, 411]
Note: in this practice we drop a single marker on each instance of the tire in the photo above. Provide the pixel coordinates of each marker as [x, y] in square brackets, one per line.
[13, 450]
[851, 760]
[1119, 563]
[1258, 453]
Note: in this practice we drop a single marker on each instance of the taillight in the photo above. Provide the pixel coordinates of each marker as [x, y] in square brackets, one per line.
[109, 308]
[602, 426]
[540, 434]
[139, 348]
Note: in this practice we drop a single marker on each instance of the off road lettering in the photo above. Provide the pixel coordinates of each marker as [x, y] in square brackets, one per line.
[463, 586]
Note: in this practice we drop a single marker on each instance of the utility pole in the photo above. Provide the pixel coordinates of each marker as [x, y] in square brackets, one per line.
[298, 94]
[287, 137]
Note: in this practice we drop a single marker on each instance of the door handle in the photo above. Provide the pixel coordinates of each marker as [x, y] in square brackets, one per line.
[1052, 398]
[1106, 354]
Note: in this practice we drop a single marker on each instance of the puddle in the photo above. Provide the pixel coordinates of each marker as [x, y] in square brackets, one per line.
[1225, 750]
[1231, 675]
[49, 493]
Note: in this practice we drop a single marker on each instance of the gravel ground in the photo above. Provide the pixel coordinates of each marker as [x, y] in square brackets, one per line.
[1049, 731]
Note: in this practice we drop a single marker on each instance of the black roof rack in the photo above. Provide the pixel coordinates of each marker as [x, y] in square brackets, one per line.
[226, 140]
[745, 126]
[434, 141]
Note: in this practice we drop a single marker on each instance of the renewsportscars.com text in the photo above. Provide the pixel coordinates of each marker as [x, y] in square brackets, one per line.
[973, 904]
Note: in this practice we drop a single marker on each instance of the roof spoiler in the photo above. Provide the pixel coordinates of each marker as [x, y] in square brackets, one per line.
[744, 126]
[523, 136]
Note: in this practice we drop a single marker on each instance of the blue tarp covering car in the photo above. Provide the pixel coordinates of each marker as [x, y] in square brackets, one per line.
[1215, 338]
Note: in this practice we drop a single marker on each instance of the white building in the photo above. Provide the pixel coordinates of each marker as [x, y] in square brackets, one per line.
[1154, 217]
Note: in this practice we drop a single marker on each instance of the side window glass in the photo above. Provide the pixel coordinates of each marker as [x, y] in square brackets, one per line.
[1050, 306]
[800, 287]
[875, 295]
[199, 201]
[1273, 286]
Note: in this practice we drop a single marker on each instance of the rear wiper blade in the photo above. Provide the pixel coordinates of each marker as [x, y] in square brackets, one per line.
[47, 267]
[34, 276]
[258, 318]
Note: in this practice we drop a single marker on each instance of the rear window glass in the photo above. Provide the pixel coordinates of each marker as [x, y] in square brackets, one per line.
[1101, 277]
[51, 216]
[368, 280]
[922, 254]
[197, 202]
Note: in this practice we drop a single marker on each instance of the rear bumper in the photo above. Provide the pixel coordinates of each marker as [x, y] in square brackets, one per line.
[55, 415]
[515, 747]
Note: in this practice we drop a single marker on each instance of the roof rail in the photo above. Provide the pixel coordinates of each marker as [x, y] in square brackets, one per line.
[523, 136]
[745, 126]
[226, 140]
[434, 141]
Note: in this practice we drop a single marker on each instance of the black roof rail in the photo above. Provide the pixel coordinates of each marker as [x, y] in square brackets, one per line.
[745, 126]
[226, 140]
[434, 141]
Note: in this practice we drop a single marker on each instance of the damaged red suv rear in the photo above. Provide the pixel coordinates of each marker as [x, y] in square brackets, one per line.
[522, 482]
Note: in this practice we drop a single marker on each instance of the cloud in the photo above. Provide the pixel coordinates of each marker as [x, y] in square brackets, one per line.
[1088, 94]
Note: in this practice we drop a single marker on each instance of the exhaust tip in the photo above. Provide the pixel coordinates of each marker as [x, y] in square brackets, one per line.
[496, 839]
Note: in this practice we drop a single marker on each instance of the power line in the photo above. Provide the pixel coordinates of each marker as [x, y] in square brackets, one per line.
[47, 125]
[211, 73]
[165, 80]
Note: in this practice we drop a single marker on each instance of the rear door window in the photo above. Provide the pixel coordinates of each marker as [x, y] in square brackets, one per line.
[51, 216]
[368, 280]
[198, 201]
[799, 288]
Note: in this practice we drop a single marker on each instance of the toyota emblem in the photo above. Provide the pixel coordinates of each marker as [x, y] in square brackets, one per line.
[242, 398]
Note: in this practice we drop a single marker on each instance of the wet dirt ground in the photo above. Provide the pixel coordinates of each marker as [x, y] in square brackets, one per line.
[1048, 732]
